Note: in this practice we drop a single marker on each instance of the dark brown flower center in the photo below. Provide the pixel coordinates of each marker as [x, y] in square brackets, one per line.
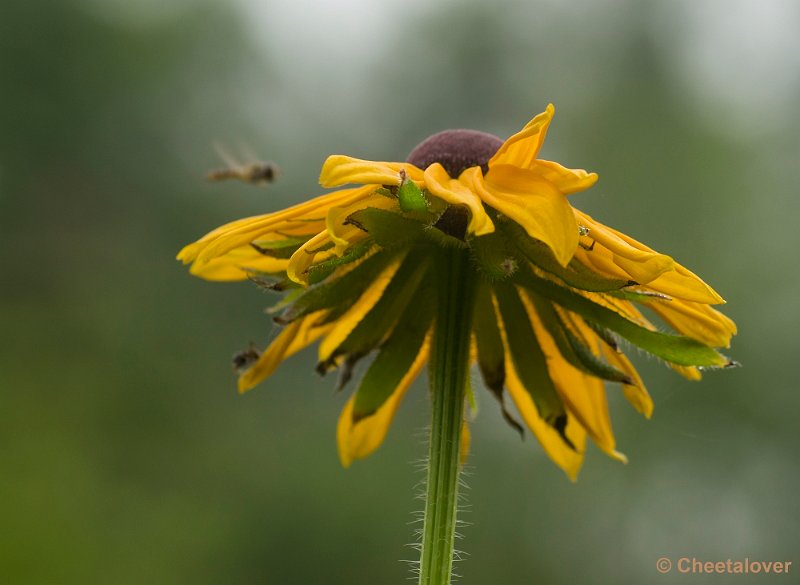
[456, 150]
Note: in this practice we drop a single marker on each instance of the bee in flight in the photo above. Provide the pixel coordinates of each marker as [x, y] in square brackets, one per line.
[242, 360]
[255, 173]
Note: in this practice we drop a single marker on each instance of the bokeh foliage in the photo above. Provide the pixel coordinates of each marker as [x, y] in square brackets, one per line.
[126, 455]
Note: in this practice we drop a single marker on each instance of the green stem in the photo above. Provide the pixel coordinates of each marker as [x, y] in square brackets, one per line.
[449, 365]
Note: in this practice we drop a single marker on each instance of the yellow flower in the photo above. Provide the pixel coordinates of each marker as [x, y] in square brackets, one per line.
[556, 289]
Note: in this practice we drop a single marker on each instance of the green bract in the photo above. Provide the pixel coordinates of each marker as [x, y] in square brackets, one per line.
[515, 274]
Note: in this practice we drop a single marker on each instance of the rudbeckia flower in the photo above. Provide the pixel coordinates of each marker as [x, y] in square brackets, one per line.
[557, 295]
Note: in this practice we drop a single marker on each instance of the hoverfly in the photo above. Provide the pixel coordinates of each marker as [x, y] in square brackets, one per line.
[255, 173]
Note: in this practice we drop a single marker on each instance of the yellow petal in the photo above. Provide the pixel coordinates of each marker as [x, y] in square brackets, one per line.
[309, 332]
[456, 192]
[567, 181]
[532, 202]
[360, 439]
[583, 395]
[343, 170]
[680, 282]
[629, 311]
[305, 256]
[270, 359]
[684, 284]
[335, 222]
[688, 372]
[522, 148]
[238, 264]
[625, 308]
[295, 337]
[617, 254]
[244, 231]
[562, 455]
[636, 394]
[347, 322]
[696, 320]
[637, 261]
[318, 249]
[466, 442]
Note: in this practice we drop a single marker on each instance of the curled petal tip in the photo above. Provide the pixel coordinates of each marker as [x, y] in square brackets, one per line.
[621, 457]
[345, 459]
[244, 384]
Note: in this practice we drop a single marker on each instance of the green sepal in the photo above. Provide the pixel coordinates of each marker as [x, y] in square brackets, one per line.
[491, 354]
[640, 296]
[388, 229]
[574, 274]
[271, 283]
[572, 346]
[443, 240]
[340, 293]
[494, 256]
[395, 356]
[376, 325]
[281, 249]
[676, 349]
[411, 197]
[436, 205]
[529, 360]
[285, 303]
[386, 192]
[319, 272]
[609, 337]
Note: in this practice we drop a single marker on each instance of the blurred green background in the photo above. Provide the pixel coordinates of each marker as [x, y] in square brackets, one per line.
[126, 456]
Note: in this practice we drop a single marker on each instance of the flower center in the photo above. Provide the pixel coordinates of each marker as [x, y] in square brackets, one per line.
[456, 150]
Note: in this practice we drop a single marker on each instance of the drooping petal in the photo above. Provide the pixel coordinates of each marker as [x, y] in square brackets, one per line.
[696, 320]
[688, 372]
[238, 264]
[358, 440]
[563, 455]
[521, 149]
[533, 203]
[636, 394]
[681, 283]
[347, 322]
[309, 332]
[296, 336]
[244, 231]
[457, 192]
[619, 254]
[584, 395]
[343, 170]
[641, 264]
[630, 312]
[270, 358]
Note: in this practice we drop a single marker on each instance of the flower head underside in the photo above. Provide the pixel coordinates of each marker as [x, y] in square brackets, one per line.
[557, 291]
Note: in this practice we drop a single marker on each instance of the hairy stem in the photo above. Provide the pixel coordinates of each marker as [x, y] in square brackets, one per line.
[449, 364]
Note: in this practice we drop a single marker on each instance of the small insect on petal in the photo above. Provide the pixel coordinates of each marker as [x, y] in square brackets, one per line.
[242, 360]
